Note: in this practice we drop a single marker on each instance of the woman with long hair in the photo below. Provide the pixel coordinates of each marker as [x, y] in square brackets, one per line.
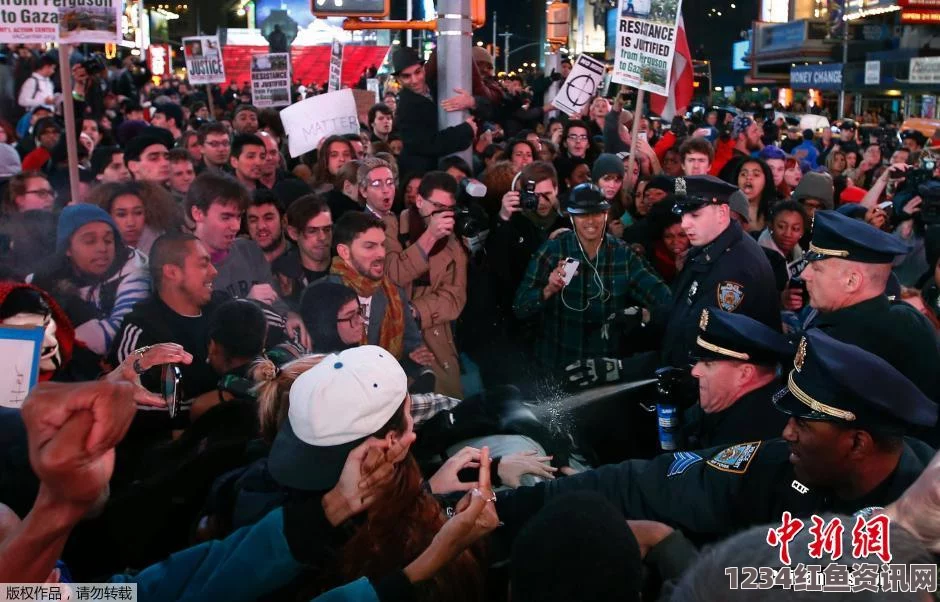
[754, 178]
[94, 276]
[334, 152]
[142, 211]
[836, 164]
[308, 454]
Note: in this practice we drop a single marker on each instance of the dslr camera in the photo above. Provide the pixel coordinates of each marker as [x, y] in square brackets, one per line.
[528, 199]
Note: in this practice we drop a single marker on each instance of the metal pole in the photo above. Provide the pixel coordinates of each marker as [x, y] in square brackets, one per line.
[71, 135]
[494, 34]
[506, 35]
[454, 48]
[409, 13]
[845, 59]
[637, 115]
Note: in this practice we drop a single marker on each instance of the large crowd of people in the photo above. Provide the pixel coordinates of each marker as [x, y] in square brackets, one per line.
[412, 364]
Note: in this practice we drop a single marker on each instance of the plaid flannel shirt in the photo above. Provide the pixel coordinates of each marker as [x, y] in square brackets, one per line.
[575, 322]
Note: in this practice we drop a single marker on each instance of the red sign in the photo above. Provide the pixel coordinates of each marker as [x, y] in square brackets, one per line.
[920, 16]
[919, 3]
[159, 60]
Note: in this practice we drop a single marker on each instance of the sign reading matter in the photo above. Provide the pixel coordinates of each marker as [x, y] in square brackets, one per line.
[270, 80]
[646, 43]
[310, 121]
[204, 60]
[69, 22]
[580, 86]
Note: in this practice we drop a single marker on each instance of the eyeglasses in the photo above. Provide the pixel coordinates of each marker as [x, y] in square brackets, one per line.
[438, 207]
[313, 231]
[359, 316]
[42, 192]
[389, 183]
[578, 137]
[217, 144]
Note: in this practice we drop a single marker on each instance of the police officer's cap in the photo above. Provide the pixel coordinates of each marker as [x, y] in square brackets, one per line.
[844, 384]
[585, 199]
[837, 235]
[694, 192]
[727, 336]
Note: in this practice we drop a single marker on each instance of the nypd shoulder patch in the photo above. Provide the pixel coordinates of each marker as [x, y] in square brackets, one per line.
[730, 295]
[681, 462]
[736, 458]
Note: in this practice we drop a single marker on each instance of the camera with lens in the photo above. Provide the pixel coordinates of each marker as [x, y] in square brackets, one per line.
[528, 199]
[929, 192]
[466, 223]
[94, 64]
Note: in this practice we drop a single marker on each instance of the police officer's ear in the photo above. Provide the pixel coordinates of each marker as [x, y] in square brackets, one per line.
[863, 445]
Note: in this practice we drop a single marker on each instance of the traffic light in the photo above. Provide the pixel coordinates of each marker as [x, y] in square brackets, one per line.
[349, 8]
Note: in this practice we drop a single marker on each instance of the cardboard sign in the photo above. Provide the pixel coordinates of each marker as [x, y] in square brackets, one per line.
[336, 66]
[646, 43]
[310, 121]
[581, 85]
[20, 348]
[204, 60]
[270, 80]
[43, 21]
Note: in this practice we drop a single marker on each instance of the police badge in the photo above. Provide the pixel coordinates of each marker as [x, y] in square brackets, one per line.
[730, 295]
[679, 187]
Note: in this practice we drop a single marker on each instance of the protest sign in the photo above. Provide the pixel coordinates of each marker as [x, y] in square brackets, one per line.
[364, 101]
[372, 85]
[646, 43]
[270, 80]
[204, 60]
[580, 86]
[311, 120]
[72, 22]
[21, 347]
[336, 66]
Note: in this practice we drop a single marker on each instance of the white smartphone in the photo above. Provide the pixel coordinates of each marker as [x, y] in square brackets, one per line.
[571, 268]
[641, 136]
[886, 204]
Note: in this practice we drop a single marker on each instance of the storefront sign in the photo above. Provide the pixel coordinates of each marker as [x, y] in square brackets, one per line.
[925, 70]
[820, 77]
[915, 16]
[872, 73]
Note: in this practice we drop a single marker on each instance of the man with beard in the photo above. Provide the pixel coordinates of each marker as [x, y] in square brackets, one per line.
[310, 226]
[247, 160]
[265, 220]
[178, 312]
[843, 450]
[360, 264]
[745, 139]
[377, 188]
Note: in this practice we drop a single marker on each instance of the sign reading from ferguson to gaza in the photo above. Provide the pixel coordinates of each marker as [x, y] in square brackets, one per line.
[646, 43]
[64, 21]
[270, 80]
[204, 60]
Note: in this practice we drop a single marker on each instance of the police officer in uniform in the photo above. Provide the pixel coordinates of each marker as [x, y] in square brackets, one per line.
[849, 267]
[736, 359]
[843, 450]
[726, 269]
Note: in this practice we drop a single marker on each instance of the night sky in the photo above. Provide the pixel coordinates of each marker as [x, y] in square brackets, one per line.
[710, 35]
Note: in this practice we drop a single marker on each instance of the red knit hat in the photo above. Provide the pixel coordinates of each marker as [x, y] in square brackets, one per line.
[852, 194]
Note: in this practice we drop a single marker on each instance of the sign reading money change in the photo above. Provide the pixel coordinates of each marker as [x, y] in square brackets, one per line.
[204, 60]
[63, 21]
[646, 43]
[270, 80]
